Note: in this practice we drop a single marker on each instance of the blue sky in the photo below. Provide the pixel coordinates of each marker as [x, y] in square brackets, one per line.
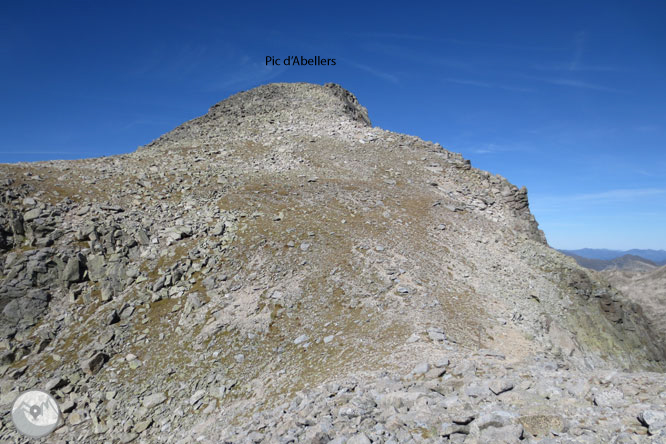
[566, 98]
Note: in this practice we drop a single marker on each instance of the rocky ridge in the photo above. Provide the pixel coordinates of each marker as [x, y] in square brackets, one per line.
[278, 270]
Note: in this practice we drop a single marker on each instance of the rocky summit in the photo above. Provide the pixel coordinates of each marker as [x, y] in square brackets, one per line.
[281, 271]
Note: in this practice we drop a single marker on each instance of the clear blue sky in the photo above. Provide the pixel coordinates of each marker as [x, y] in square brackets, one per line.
[565, 97]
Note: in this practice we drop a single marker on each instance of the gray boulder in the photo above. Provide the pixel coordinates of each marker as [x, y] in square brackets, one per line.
[95, 363]
[73, 271]
[28, 307]
[654, 420]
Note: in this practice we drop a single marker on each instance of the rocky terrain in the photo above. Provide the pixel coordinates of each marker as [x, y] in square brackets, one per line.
[278, 270]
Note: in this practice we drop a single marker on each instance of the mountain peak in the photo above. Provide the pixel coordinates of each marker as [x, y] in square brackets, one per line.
[330, 100]
[268, 108]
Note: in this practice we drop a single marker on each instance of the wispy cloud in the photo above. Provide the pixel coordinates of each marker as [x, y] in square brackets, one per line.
[453, 41]
[619, 195]
[579, 43]
[182, 60]
[496, 44]
[469, 82]
[567, 74]
[646, 173]
[481, 84]
[408, 53]
[566, 224]
[567, 202]
[392, 35]
[580, 84]
[578, 67]
[568, 81]
[493, 148]
[489, 148]
[647, 128]
[248, 74]
[375, 72]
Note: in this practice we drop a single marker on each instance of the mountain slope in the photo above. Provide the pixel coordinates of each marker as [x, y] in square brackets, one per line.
[279, 244]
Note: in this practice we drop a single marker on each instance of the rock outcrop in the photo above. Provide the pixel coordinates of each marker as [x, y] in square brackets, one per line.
[647, 290]
[278, 270]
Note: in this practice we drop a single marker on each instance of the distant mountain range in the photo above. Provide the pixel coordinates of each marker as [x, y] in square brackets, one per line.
[656, 256]
[628, 262]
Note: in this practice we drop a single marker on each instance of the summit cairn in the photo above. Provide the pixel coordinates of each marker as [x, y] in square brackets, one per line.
[279, 270]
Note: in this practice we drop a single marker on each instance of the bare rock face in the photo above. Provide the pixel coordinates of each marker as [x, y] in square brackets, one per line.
[278, 270]
[350, 103]
[647, 289]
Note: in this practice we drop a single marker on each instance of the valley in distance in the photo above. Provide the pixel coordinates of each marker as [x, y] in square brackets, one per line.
[278, 270]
